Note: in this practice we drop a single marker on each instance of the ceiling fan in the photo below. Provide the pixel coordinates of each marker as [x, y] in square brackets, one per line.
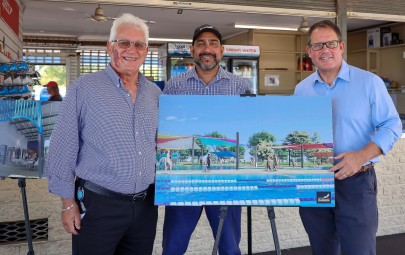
[304, 25]
[99, 16]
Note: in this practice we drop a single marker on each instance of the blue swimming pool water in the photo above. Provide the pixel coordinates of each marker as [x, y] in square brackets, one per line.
[228, 167]
[263, 189]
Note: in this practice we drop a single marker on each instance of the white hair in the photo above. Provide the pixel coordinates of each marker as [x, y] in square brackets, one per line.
[129, 19]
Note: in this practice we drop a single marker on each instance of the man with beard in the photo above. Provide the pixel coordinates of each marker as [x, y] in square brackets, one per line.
[365, 126]
[207, 78]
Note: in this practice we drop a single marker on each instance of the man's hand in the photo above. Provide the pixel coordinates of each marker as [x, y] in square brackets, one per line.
[349, 165]
[70, 216]
[351, 162]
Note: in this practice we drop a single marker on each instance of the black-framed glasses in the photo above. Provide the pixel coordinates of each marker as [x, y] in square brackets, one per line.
[126, 44]
[329, 44]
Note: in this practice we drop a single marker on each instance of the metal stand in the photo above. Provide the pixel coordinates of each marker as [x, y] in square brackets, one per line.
[222, 215]
[249, 229]
[272, 217]
[21, 184]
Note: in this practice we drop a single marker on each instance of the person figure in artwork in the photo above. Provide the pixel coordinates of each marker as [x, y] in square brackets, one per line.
[268, 163]
[169, 162]
[275, 162]
[294, 163]
[208, 163]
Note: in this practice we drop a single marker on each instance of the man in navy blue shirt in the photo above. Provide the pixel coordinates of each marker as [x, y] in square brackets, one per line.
[207, 78]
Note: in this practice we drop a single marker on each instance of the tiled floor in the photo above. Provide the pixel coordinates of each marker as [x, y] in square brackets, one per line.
[386, 245]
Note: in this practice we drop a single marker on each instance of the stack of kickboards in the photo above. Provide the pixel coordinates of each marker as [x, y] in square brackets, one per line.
[17, 79]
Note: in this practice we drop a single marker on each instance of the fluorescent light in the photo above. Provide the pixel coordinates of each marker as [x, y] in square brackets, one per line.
[264, 27]
[169, 40]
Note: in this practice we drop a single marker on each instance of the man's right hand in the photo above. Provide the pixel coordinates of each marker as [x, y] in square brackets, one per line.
[70, 216]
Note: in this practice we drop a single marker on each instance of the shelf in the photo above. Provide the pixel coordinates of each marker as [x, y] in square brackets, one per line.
[395, 91]
[388, 47]
[378, 48]
[358, 51]
[275, 69]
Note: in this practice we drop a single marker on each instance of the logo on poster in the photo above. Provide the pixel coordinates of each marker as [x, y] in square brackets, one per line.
[323, 197]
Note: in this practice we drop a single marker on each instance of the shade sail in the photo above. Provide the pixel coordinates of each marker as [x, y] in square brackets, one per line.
[184, 143]
[223, 154]
[215, 141]
[303, 146]
[312, 146]
[166, 138]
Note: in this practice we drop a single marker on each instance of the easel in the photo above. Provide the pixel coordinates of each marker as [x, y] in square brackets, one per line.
[222, 215]
[272, 217]
[22, 184]
[270, 213]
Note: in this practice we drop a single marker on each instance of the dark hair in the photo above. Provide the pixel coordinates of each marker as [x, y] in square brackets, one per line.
[324, 24]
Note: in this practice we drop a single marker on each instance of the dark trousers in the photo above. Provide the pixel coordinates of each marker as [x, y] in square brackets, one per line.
[352, 225]
[180, 222]
[116, 227]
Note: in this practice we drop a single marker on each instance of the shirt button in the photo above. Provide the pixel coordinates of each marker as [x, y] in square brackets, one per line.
[136, 133]
[140, 173]
[128, 94]
[140, 153]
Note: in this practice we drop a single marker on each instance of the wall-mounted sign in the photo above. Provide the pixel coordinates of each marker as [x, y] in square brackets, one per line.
[183, 49]
[10, 13]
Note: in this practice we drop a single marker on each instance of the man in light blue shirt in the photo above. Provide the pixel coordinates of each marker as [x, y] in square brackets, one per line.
[365, 126]
[207, 78]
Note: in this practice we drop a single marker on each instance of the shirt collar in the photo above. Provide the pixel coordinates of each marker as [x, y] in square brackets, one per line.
[344, 74]
[117, 80]
[221, 74]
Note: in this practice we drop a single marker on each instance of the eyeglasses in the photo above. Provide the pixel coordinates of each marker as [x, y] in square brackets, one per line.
[126, 44]
[329, 44]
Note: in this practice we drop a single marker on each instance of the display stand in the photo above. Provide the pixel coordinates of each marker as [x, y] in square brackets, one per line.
[272, 217]
[21, 184]
[222, 215]
[249, 229]
[270, 212]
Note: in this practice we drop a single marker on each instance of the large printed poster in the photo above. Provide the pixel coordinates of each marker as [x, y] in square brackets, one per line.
[25, 132]
[232, 150]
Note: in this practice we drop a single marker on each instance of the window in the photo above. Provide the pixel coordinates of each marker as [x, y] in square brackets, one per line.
[93, 60]
[151, 68]
[96, 60]
[43, 57]
[51, 66]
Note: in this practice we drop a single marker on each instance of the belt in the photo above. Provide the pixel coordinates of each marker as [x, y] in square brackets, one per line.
[133, 198]
[366, 167]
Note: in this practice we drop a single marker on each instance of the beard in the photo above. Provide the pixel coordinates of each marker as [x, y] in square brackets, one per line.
[204, 66]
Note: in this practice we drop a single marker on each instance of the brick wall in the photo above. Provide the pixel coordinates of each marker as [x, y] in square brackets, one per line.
[391, 185]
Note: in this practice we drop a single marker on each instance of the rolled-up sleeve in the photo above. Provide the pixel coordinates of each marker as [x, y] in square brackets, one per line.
[385, 118]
